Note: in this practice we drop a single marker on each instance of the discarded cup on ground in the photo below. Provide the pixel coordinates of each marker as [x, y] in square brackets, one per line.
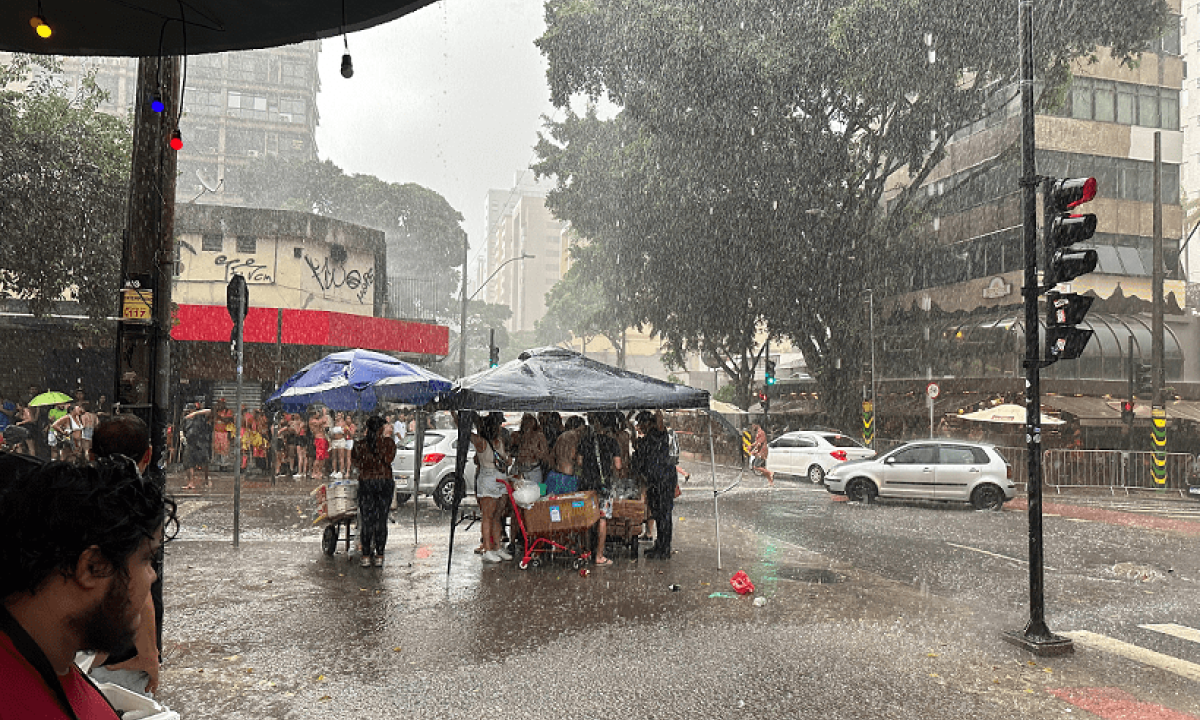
[760, 601]
[741, 582]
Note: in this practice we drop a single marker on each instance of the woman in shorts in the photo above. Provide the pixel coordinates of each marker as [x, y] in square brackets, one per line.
[490, 491]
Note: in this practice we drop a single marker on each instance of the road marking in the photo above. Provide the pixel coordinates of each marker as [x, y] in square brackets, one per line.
[1133, 652]
[1113, 703]
[992, 554]
[1179, 631]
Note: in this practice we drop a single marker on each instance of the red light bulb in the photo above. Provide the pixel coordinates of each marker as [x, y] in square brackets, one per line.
[176, 140]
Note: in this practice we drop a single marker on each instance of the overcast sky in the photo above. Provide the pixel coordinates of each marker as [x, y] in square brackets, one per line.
[449, 97]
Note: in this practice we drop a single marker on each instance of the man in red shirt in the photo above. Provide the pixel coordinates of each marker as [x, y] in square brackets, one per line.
[76, 562]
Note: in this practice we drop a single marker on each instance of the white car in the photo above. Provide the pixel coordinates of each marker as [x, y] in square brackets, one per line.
[437, 469]
[954, 470]
[812, 453]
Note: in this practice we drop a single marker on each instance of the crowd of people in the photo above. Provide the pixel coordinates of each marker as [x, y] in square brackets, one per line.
[54, 431]
[615, 456]
[313, 445]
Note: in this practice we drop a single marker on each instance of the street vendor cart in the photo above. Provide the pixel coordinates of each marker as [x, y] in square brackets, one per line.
[337, 507]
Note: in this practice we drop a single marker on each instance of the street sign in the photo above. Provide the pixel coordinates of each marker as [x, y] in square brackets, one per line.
[932, 390]
[137, 305]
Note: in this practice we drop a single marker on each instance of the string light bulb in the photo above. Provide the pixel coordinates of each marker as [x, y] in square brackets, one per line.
[39, 25]
[176, 140]
[156, 103]
[347, 66]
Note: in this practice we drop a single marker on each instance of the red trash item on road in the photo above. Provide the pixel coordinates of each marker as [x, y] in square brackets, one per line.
[741, 582]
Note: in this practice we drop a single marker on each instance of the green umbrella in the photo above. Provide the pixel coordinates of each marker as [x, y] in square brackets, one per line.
[50, 398]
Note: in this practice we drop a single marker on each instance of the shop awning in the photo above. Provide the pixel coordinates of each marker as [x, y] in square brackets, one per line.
[211, 323]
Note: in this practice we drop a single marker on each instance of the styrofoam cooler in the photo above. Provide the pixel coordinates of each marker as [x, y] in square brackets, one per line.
[341, 497]
[133, 706]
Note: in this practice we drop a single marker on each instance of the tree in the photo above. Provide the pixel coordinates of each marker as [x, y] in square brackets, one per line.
[64, 183]
[742, 181]
[423, 231]
[575, 307]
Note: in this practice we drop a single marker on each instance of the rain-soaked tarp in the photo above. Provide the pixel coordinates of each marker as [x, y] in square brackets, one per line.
[555, 379]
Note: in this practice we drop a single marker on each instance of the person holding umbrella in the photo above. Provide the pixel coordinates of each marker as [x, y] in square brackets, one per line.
[373, 455]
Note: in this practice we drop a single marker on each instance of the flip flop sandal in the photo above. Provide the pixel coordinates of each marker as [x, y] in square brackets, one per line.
[604, 562]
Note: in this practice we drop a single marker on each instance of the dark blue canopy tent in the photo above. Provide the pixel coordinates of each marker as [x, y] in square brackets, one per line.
[553, 379]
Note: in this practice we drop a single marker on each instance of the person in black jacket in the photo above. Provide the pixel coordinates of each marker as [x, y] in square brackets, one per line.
[597, 465]
[652, 463]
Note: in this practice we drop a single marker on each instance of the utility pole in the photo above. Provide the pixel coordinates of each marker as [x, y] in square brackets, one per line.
[1158, 410]
[142, 371]
[1036, 636]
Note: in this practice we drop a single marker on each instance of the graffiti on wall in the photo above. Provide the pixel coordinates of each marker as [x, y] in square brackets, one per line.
[329, 277]
[253, 272]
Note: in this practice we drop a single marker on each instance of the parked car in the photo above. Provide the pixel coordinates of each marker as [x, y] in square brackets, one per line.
[954, 470]
[812, 453]
[437, 469]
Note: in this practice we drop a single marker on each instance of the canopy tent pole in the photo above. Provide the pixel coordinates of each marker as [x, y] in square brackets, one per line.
[466, 421]
[418, 457]
[712, 464]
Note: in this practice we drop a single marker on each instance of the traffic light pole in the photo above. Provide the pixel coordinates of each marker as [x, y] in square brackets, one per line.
[1036, 637]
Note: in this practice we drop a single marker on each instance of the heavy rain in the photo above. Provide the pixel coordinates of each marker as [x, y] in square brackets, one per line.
[599, 359]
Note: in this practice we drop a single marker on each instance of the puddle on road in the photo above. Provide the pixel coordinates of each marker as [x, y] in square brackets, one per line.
[818, 576]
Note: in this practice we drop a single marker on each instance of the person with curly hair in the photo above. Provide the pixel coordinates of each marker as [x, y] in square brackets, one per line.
[77, 548]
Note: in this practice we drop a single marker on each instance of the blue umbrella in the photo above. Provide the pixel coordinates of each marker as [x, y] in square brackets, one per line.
[359, 380]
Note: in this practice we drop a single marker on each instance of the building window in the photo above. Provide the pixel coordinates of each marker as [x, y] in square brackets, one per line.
[212, 242]
[247, 244]
[247, 106]
[1124, 103]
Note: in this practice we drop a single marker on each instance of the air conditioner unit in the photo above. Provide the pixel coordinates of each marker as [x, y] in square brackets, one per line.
[252, 153]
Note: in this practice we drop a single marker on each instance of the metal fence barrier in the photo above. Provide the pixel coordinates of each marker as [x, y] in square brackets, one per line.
[1114, 469]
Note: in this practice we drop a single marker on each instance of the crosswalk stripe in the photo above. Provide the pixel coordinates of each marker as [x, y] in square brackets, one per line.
[1180, 631]
[1183, 668]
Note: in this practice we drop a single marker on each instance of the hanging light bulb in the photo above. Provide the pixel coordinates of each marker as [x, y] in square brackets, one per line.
[38, 23]
[156, 103]
[176, 140]
[347, 66]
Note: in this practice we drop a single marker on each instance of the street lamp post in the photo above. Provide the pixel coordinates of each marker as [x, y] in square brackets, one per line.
[462, 329]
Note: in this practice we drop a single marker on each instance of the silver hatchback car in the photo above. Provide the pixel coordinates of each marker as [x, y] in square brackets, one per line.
[954, 470]
[437, 467]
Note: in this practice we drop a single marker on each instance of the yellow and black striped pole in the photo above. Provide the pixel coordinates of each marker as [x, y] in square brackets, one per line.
[1158, 429]
[868, 418]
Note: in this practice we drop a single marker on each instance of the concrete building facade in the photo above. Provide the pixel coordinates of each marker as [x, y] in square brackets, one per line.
[519, 223]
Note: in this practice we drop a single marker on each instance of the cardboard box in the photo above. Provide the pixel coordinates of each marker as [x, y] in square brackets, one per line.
[573, 511]
[633, 509]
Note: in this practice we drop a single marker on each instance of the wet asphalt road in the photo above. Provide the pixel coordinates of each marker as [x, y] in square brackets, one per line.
[890, 611]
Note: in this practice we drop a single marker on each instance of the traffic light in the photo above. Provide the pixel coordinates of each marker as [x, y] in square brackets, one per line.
[1127, 411]
[770, 372]
[1063, 229]
[1143, 381]
[1064, 340]
[493, 356]
[764, 400]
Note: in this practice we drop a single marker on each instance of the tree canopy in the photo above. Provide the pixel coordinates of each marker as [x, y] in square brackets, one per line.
[739, 185]
[64, 184]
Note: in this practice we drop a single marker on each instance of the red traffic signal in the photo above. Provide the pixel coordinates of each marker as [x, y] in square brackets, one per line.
[1126, 406]
[1071, 192]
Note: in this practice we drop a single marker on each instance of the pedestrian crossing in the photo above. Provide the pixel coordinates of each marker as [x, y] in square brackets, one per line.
[1143, 655]
[1179, 510]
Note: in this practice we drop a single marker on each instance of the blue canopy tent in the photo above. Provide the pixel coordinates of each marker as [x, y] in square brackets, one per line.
[360, 380]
